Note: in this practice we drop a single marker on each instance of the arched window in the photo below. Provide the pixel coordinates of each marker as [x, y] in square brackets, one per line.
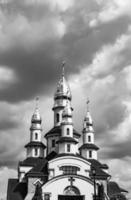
[68, 131]
[90, 154]
[57, 117]
[71, 190]
[68, 147]
[53, 143]
[36, 136]
[89, 138]
[36, 152]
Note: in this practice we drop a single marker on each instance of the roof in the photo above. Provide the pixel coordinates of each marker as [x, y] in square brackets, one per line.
[39, 170]
[16, 190]
[31, 161]
[114, 189]
[51, 155]
[35, 144]
[67, 139]
[57, 130]
[96, 163]
[100, 174]
[89, 146]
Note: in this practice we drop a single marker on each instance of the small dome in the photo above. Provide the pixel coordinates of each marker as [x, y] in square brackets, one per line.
[67, 110]
[36, 118]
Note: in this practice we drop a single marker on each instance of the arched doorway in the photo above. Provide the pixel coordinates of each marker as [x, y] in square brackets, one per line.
[71, 190]
[71, 193]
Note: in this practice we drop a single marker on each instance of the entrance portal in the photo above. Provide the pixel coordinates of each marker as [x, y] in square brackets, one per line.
[70, 197]
[71, 193]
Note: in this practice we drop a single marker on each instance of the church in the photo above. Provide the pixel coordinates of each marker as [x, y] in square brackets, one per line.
[66, 167]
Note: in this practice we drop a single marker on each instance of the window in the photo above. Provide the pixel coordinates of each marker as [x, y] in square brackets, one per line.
[90, 154]
[57, 117]
[47, 196]
[36, 136]
[89, 138]
[68, 131]
[36, 152]
[68, 147]
[69, 169]
[53, 143]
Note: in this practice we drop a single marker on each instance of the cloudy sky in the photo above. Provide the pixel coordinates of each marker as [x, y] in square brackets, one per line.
[94, 38]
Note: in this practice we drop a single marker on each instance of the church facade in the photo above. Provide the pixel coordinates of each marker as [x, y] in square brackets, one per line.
[63, 168]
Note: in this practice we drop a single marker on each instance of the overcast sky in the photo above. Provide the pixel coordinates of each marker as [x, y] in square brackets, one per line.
[94, 38]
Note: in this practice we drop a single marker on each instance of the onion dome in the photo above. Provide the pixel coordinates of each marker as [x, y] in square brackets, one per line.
[63, 89]
[67, 112]
[88, 122]
[36, 118]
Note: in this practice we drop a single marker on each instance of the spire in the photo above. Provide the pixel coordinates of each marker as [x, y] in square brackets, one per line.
[63, 68]
[36, 118]
[63, 90]
[88, 122]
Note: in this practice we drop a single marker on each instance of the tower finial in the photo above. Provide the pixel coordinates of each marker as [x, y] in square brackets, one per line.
[63, 68]
[88, 102]
[37, 102]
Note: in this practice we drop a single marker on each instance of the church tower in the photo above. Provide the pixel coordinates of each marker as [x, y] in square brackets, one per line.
[66, 143]
[62, 95]
[35, 148]
[62, 98]
[88, 149]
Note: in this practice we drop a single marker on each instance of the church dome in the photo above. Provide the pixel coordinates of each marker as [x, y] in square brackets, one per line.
[63, 89]
[36, 116]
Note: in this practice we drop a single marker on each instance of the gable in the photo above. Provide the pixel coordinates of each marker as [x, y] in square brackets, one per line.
[55, 166]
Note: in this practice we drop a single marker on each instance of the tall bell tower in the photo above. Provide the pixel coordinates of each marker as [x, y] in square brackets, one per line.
[88, 148]
[62, 95]
[35, 148]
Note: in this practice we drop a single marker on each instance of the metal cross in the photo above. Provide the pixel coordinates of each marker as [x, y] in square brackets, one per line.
[37, 102]
[71, 179]
[63, 68]
[88, 101]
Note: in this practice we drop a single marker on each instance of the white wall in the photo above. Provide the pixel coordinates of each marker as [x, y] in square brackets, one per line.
[57, 186]
[55, 164]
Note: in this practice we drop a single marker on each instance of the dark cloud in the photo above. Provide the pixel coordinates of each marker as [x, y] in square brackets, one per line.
[117, 151]
[37, 66]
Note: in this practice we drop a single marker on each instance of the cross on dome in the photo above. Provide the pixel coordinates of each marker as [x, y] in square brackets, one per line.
[88, 102]
[37, 103]
[63, 68]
